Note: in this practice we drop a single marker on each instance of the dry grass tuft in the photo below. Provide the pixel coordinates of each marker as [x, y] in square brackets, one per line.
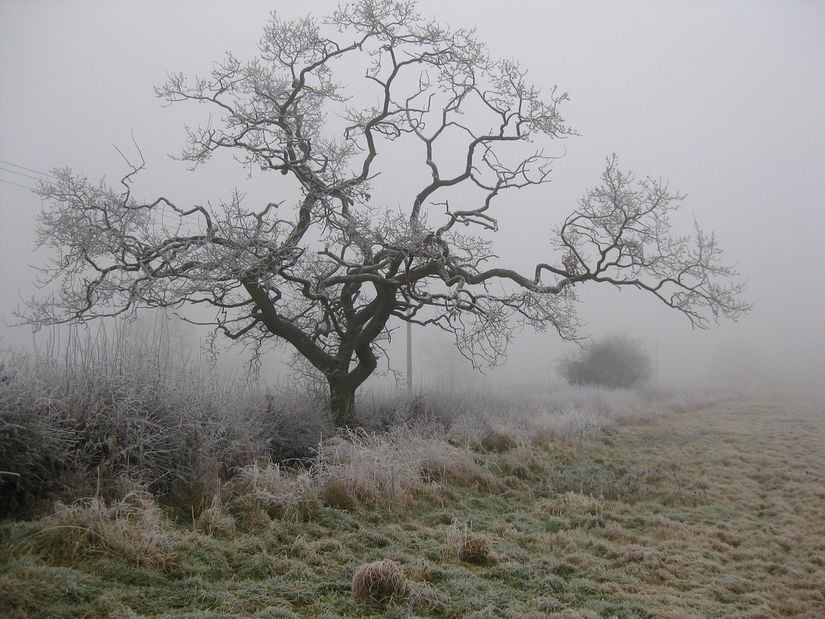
[215, 521]
[422, 595]
[498, 440]
[267, 487]
[448, 463]
[342, 493]
[576, 503]
[391, 467]
[133, 528]
[368, 467]
[420, 570]
[381, 581]
[466, 546]
[387, 468]
[475, 549]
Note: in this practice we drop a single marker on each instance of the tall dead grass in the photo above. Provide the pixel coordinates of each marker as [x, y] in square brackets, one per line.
[123, 402]
[389, 467]
[356, 467]
[270, 488]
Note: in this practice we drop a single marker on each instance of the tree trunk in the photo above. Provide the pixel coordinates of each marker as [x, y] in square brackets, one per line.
[342, 401]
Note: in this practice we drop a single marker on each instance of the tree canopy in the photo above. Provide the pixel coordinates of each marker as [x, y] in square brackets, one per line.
[325, 272]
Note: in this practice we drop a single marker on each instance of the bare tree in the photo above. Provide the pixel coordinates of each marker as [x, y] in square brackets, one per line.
[327, 272]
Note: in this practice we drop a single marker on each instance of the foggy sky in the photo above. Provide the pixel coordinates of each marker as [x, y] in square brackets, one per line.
[723, 99]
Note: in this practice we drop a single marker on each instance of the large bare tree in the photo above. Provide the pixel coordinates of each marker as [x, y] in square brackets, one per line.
[323, 265]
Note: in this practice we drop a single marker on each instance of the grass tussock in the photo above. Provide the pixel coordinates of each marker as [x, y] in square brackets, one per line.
[381, 581]
[133, 528]
[216, 521]
[278, 492]
[475, 549]
[466, 546]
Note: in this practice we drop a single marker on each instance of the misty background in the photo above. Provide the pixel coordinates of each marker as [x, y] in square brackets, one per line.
[723, 99]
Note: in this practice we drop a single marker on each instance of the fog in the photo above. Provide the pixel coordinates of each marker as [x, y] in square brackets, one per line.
[724, 100]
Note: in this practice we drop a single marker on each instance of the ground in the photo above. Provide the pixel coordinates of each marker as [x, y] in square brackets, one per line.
[715, 512]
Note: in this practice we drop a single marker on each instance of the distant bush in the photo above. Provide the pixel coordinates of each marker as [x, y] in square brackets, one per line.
[615, 362]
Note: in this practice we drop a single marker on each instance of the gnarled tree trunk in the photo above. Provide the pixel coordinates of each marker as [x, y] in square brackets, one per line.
[342, 400]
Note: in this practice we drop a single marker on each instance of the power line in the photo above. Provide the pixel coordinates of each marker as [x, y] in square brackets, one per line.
[32, 189]
[10, 171]
[22, 167]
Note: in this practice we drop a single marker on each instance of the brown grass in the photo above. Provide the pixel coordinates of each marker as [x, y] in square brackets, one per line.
[264, 486]
[133, 528]
[466, 546]
[342, 493]
[381, 581]
[216, 521]
[498, 441]
[457, 465]
[475, 549]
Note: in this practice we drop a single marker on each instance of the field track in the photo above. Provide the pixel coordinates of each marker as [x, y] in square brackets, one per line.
[753, 544]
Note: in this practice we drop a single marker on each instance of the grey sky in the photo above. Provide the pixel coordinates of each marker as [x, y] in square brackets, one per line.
[724, 99]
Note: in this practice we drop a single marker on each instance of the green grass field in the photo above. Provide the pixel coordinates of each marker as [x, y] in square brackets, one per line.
[716, 512]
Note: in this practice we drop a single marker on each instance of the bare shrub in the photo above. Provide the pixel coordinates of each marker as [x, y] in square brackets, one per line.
[121, 406]
[291, 423]
[35, 439]
[615, 361]
[381, 581]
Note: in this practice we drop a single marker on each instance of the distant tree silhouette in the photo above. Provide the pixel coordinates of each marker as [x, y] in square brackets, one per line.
[615, 361]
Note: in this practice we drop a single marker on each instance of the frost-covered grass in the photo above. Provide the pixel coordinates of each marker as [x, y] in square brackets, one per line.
[713, 511]
[152, 486]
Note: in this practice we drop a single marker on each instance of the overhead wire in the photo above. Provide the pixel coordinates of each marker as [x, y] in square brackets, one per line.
[22, 167]
[9, 170]
[3, 180]
[7, 166]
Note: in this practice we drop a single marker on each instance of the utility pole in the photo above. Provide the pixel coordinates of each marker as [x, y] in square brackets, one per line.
[409, 359]
[656, 357]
